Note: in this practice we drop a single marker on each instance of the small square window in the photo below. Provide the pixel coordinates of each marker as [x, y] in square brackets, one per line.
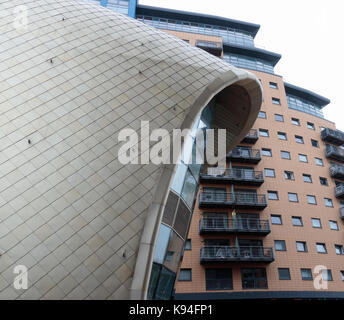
[306, 274]
[307, 178]
[282, 136]
[319, 162]
[280, 245]
[303, 158]
[293, 197]
[272, 195]
[316, 223]
[262, 115]
[276, 219]
[334, 225]
[284, 273]
[342, 275]
[169, 255]
[266, 152]
[263, 132]
[339, 249]
[315, 143]
[289, 175]
[297, 221]
[310, 125]
[323, 181]
[279, 118]
[327, 275]
[311, 200]
[269, 173]
[301, 246]
[285, 155]
[276, 101]
[273, 85]
[188, 244]
[321, 248]
[295, 121]
[185, 275]
[299, 139]
[328, 202]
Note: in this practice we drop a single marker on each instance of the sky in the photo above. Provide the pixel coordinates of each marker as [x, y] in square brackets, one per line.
[308, 34]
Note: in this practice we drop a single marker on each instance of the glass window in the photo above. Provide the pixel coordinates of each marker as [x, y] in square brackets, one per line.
[250, 63]
[307, 178]
[289, 175]
[276, 101]
[303, 105]
[321, 248]
[284, 273]
[262, 115]
[263, 132]
[319, 162]
[334, 225]
[292, 197]
[295, 121]
[285, 155]
[273, 85]
[185, 275]
[311, 199]
[189, 189]
[178, 179]
[310, 125]
[269, 173]
[282, 136]
[276, 219]
[303, 158]
[299, 139]
[219, 279]
[266, 152]
[316, 223]
[327, 275]
[339, 249]
[342, 275]
[272, 195]
[162, 244]
[328, 203]
[188, 244]
[315, 143]
[254, 278]
[306, 274]
[280, 245]
[301, 246]
[279, 118]
[323, 181]
[297, 221]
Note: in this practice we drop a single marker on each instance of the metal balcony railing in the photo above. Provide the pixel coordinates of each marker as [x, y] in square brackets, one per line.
[242, 226]
[240, 176]
[251, 137]
[246, 155]
[212, 47]
[332, 136]
[236, 254]
[339, 191]
[334, 153]
[236, 199]
[337, 171]
[341, 210]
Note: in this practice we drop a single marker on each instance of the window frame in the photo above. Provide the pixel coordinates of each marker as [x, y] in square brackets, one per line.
[282, 278]
[323, 245]
[300, 155]
[277, 216]
[299, 219]
[284, 245]
[185, 280]
[285, 152]
[315, 199]
[304, 243]
[292, 193]
[318, 219]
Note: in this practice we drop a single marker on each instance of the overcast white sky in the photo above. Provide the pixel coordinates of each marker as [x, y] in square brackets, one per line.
[308, 34]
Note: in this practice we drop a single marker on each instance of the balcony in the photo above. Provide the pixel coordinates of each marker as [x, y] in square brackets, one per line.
[244, 155]
[237, 176]
[339, 191]
[213, 47]
[334, 153]
[337, 171]
[251, 137]
[333, 136]
[237, 226]
[232, 200]
[342, 213]
[236, 254]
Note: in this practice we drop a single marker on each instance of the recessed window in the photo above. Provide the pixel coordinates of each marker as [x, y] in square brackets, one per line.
[262, 115]
[310, 125]
[323, 181]
[276, 101]
[301, 246]
[303, 158]
[276, 219]
[334, 225]
[219, 279]
[285, 155]
[269, 173]
[279, 118]
[272, 195]
[263, 132]
[185, 275]
[319, 162]
[289, 175]
[299, 139]
[295, 121]
[292, 197]
[316, 223]
[273, 85]
[328, 202]
[297, 221]
[188, 244]
[284, 273]
[266, 152]
[342, 275]
[306, 274]
[339, 249]
[321, 248]
[169, 255]
[315, 143]
[311, 199]
[280, 245]
[327, 275]
[282, 136]
[254, 278]
[307, 178]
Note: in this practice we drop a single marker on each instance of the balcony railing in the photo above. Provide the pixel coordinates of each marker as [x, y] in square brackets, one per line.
[332, 136]
[342, 213]
[337, 171]
[212, 47]
[251, 137]
[246, 155]
[236, 254]
[334, 153]
[339, 191]
[230, 200]
[239, 176]
[242, 226]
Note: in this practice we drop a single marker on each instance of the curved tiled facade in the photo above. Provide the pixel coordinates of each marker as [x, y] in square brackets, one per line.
[83, 224]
